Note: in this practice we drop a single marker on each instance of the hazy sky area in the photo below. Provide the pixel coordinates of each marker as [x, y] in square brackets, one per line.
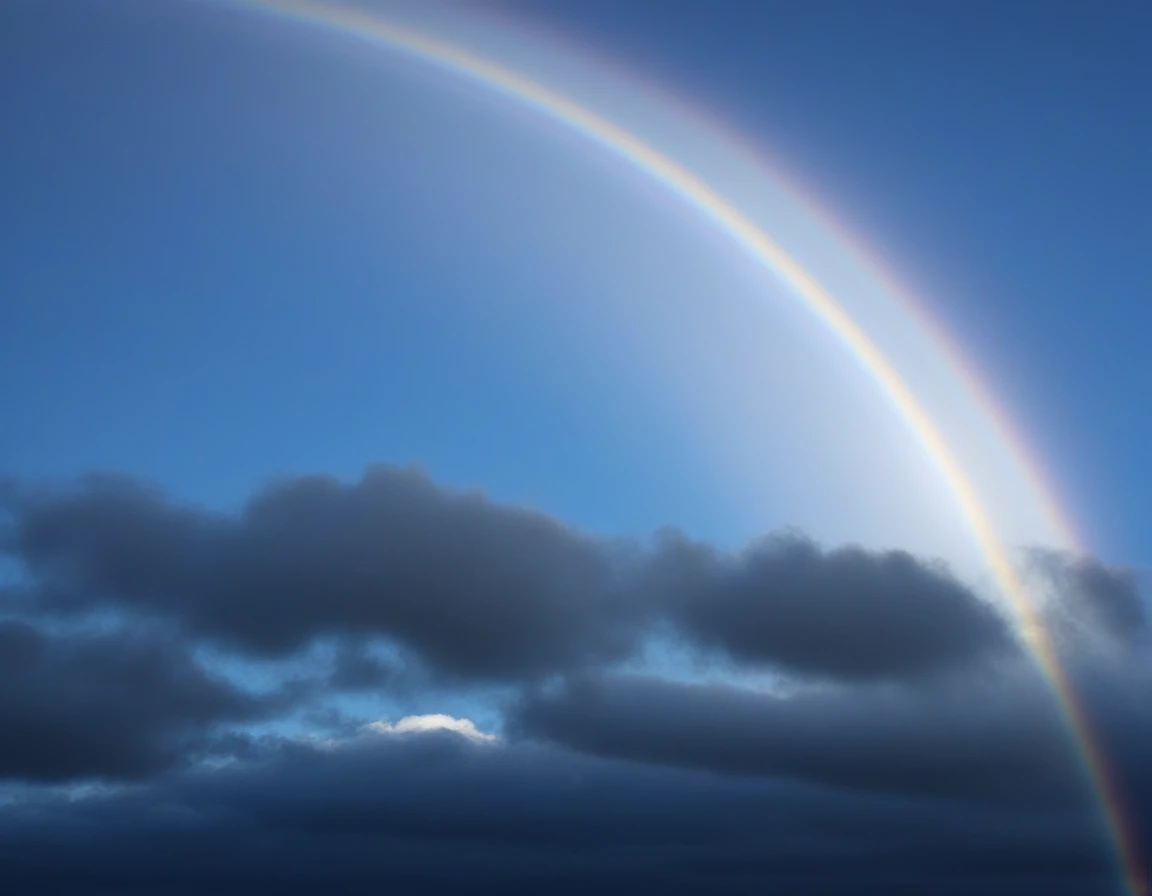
[398, 486]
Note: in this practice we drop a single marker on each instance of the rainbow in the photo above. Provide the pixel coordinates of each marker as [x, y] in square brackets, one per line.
[742, 230]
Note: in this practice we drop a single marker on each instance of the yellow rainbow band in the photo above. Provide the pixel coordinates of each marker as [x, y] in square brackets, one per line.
[730, 220]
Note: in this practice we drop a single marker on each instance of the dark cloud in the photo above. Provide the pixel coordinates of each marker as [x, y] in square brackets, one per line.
[436, 813]
[1089, 598]
[479, 590]
[115, 705]
[355, 668]
[850, 613]
[909, 747]
[995, 738]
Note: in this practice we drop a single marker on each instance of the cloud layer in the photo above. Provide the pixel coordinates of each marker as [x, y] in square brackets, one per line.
[436, 812]
[114, 705]
[660, 715]
[479, 590]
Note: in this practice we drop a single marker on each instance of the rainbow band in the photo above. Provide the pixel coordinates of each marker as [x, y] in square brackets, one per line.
[730, 220]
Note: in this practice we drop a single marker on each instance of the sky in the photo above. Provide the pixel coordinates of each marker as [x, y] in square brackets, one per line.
[1004, 180]
[397, 484]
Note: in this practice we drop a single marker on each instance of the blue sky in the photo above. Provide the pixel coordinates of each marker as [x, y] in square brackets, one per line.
[201, 306]
[1006, 181]
[240, 268]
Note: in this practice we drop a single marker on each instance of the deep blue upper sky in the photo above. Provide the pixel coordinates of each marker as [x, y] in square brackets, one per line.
[201, 285]
[995, 154]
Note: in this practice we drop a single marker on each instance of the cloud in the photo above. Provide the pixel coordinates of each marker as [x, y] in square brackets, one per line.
[112, 705]
[434, 722]
[989, 738]
[356, 669]
[435, 812]
[1088, 599]
[906, 743]
[479, 591]
[849, 613]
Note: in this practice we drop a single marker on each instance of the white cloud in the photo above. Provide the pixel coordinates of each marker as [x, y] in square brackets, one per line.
[432, 722]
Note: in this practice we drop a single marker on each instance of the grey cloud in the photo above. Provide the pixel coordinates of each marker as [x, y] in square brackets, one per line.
[115, 705]
[987, 739]
[905, 777]
[356, 669]
[435, 813]
[1090, 597]
[848, 612]
[479, 590]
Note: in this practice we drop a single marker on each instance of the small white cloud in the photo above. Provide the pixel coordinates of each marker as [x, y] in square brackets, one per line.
[432, 722]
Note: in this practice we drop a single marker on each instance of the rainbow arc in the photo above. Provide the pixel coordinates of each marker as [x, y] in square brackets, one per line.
[745, 233]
